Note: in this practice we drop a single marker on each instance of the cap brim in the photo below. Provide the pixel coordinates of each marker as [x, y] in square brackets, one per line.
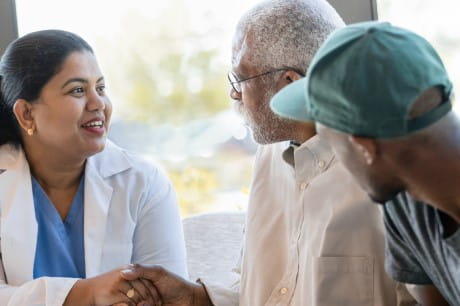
[290, 102]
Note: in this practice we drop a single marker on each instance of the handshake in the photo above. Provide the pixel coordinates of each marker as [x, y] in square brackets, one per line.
[137, 285]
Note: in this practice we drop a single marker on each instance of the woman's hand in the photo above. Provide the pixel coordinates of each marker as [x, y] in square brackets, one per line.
[174, 290]
[110, 288]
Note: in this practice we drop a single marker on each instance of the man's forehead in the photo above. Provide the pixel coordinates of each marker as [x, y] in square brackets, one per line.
[241, 50]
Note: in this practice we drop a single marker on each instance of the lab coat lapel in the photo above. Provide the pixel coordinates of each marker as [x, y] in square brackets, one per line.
[98, 195]
[18, 225]
[18, 229]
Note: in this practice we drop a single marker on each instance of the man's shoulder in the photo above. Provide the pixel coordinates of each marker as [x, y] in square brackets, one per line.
[270, 154]
[404, 204]
[272, 149]
[406, 212]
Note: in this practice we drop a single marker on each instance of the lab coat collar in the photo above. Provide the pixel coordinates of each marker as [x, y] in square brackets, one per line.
[98, 195]
[18, 228]
[109, 162]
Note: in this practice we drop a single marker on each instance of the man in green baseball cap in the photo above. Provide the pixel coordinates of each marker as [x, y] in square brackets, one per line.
[303, 244]
[381, 97]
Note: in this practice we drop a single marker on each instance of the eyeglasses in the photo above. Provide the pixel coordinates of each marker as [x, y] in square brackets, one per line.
[236, 84]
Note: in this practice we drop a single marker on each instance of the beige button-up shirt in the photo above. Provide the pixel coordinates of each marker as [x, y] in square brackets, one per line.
[312, 236]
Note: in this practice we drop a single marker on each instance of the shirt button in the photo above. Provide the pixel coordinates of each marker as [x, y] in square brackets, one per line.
[303, 186]
[321, 164]
[283, 290]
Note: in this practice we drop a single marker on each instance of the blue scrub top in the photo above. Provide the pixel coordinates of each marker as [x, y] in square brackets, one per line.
[60, 248]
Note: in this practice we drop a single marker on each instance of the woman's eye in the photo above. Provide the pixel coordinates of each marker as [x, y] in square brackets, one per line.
[100, 89]
[77, 90]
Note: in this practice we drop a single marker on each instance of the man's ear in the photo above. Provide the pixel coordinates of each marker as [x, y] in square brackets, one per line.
[288, 77]
[368, 147]
[23, 112]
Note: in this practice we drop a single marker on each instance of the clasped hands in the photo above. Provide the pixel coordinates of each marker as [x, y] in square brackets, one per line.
[152, 286]
[137, 285]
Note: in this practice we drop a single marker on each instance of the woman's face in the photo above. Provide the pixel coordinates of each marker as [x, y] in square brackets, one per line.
[72, 114]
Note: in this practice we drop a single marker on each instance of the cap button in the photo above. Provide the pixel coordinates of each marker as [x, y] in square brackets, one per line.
[371, 30]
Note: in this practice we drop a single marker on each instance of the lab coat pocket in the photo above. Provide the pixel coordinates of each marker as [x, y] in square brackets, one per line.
[345, 281]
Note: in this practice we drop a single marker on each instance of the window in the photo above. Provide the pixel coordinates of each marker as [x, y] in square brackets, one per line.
[437, 21]
[165, 63]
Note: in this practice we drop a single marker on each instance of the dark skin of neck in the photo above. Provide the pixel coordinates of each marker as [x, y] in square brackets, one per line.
[429, 168]
[437, 184]
[59, 176]
[302, 131]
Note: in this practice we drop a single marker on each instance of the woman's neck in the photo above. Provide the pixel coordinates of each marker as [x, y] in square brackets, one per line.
[54, 171]
[57, 175]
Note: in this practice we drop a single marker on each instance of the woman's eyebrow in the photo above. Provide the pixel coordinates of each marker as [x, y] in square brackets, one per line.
[74, 80]
[81, 80]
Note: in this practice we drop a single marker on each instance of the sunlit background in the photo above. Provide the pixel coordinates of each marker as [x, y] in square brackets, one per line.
[165, 63]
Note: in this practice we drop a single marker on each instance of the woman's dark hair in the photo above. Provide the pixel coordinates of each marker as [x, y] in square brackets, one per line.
[26, 66]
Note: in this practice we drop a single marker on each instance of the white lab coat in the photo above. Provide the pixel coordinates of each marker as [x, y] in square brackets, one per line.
[130, 216]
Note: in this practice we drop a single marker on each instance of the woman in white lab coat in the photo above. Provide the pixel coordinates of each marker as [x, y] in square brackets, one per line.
[75, 209]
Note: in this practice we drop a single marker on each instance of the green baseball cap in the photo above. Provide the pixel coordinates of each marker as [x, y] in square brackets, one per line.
[363, 81]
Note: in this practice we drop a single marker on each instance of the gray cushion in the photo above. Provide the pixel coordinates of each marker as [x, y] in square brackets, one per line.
[213, 242]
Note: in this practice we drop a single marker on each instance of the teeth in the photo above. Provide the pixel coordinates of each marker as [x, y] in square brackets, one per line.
[94, 124]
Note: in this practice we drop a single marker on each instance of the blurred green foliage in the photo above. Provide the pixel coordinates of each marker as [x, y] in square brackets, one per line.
[161, 68]
[195, 187]
[168, 71]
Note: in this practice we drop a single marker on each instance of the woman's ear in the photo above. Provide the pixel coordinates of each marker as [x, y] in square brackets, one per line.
[23, 112]
[367, 147]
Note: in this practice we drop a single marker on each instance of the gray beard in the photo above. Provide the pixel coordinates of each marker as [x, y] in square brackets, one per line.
[265, 125]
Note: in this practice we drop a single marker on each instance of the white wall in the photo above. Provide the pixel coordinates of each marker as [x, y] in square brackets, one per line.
[8, 25]
[355, 10]
[350, 10]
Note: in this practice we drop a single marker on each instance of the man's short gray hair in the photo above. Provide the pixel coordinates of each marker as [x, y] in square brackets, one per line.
[287, 33]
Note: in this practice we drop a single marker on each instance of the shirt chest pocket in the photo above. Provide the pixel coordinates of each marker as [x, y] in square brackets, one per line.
[346, 281]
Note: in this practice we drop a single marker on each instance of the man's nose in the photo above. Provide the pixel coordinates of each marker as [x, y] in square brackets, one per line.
[234, 94]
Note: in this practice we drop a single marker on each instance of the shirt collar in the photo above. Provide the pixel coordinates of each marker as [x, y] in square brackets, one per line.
[110, 161]
[311, 158]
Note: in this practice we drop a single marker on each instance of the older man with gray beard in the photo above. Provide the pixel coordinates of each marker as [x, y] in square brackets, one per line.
[311, 238]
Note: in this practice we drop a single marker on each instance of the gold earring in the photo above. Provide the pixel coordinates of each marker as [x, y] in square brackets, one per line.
[30, 131]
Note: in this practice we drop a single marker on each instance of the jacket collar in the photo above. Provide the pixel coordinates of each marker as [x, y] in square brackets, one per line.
[9, 156]
[18, 228]
[112, 160]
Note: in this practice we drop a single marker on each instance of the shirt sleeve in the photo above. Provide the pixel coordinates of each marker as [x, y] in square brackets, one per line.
[220, 295]
[226, 296]
[158, 237]
[44, 291]
[401, 263]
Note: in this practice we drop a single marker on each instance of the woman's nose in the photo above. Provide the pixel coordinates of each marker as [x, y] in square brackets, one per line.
[95, 102]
